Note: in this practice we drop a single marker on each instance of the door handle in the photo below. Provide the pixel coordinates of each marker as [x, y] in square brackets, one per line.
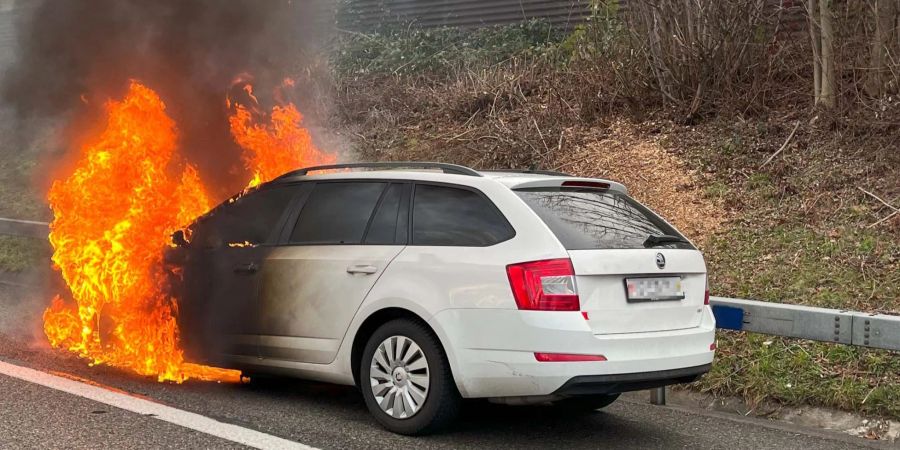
[248, 268]
[362, 268]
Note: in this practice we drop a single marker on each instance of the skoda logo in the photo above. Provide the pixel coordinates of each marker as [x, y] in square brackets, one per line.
[660, 261]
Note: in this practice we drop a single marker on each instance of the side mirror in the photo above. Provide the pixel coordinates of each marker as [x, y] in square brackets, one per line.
[179, 240]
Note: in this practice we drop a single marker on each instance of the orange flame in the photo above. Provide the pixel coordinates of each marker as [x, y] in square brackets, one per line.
[113, 217]
[276, 148]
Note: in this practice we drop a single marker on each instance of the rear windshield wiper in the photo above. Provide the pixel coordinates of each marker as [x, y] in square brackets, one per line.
[653, 240]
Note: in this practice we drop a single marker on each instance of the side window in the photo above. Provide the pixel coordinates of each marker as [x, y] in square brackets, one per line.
[459, 217]
[387, 226]
[251, 219]
[337, 213]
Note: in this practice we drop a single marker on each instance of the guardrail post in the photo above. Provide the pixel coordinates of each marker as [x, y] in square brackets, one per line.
[658, 396]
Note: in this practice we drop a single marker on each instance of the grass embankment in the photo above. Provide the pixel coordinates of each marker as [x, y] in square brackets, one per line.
[18, 253]
[18, 197]
[804, 232]
[798, 229]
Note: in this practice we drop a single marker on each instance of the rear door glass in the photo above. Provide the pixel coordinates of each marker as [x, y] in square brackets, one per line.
[589, 219]
[445, 216]
[337, 213]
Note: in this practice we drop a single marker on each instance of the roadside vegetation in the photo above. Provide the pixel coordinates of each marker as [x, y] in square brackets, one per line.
[19, 253]
[779, 160]
[19, 199]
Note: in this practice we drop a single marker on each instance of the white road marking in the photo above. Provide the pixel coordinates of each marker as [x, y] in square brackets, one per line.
[29, 222]
[159, 411]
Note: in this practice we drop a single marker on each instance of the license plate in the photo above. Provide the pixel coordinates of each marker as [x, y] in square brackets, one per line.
[653, 289]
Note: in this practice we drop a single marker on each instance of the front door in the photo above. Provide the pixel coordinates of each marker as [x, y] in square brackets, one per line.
[344, 237]
[234, 310]
[229, 249]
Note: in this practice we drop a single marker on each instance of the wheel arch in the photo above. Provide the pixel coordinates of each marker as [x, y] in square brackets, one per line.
[375, 320]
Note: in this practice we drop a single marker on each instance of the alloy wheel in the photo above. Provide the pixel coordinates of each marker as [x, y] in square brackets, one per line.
[399, 377]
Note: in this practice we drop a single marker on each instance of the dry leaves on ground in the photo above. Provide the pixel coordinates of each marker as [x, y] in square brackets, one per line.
[653, 176]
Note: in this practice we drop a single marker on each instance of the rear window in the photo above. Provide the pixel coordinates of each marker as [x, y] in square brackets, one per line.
[591, 219]
[457, 217]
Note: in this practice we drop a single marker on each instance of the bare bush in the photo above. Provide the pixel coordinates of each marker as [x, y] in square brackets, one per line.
[701, 50]
[867, 54]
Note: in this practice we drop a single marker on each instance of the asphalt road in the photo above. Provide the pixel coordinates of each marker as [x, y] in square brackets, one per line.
[325, 416]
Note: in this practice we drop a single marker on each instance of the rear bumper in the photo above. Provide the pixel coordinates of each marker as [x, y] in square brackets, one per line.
[491, 353]
[626, 382]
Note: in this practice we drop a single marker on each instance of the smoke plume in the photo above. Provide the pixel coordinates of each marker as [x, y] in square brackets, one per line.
[76, 54]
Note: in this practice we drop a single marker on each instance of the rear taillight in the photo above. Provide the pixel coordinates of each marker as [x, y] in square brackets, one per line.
[706, 292]
[547, 285]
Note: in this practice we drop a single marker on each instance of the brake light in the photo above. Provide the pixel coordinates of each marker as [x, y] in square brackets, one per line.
[547, 285]
[567, 357]
[586, 184]
[706, 292]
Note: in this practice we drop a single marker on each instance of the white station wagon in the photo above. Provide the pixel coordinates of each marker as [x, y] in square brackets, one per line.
[426, 283]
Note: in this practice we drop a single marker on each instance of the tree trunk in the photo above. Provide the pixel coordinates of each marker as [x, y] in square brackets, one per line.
[827, 94]
[885, 19]
[816, 45]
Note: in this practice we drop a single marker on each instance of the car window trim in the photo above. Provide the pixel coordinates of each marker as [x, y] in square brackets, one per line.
[479, 192]
[405, 206]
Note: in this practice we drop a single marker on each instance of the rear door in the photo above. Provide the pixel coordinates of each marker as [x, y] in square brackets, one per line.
[626, 284]
[333, 250]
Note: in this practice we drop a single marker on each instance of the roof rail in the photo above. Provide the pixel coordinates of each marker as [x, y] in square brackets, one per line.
[532, 171]
[446, 168]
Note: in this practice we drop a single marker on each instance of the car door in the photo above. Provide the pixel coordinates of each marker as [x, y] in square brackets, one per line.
[231, 247]
[342, 239]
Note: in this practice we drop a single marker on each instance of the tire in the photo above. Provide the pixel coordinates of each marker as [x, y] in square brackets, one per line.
[584, 404]
[413, 415]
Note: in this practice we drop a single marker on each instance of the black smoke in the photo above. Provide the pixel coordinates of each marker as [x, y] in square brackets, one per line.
[73, 55]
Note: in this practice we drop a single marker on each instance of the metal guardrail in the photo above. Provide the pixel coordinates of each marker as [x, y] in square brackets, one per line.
[803, 322]
[778, 319]
[27, 228]
[808, 322]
